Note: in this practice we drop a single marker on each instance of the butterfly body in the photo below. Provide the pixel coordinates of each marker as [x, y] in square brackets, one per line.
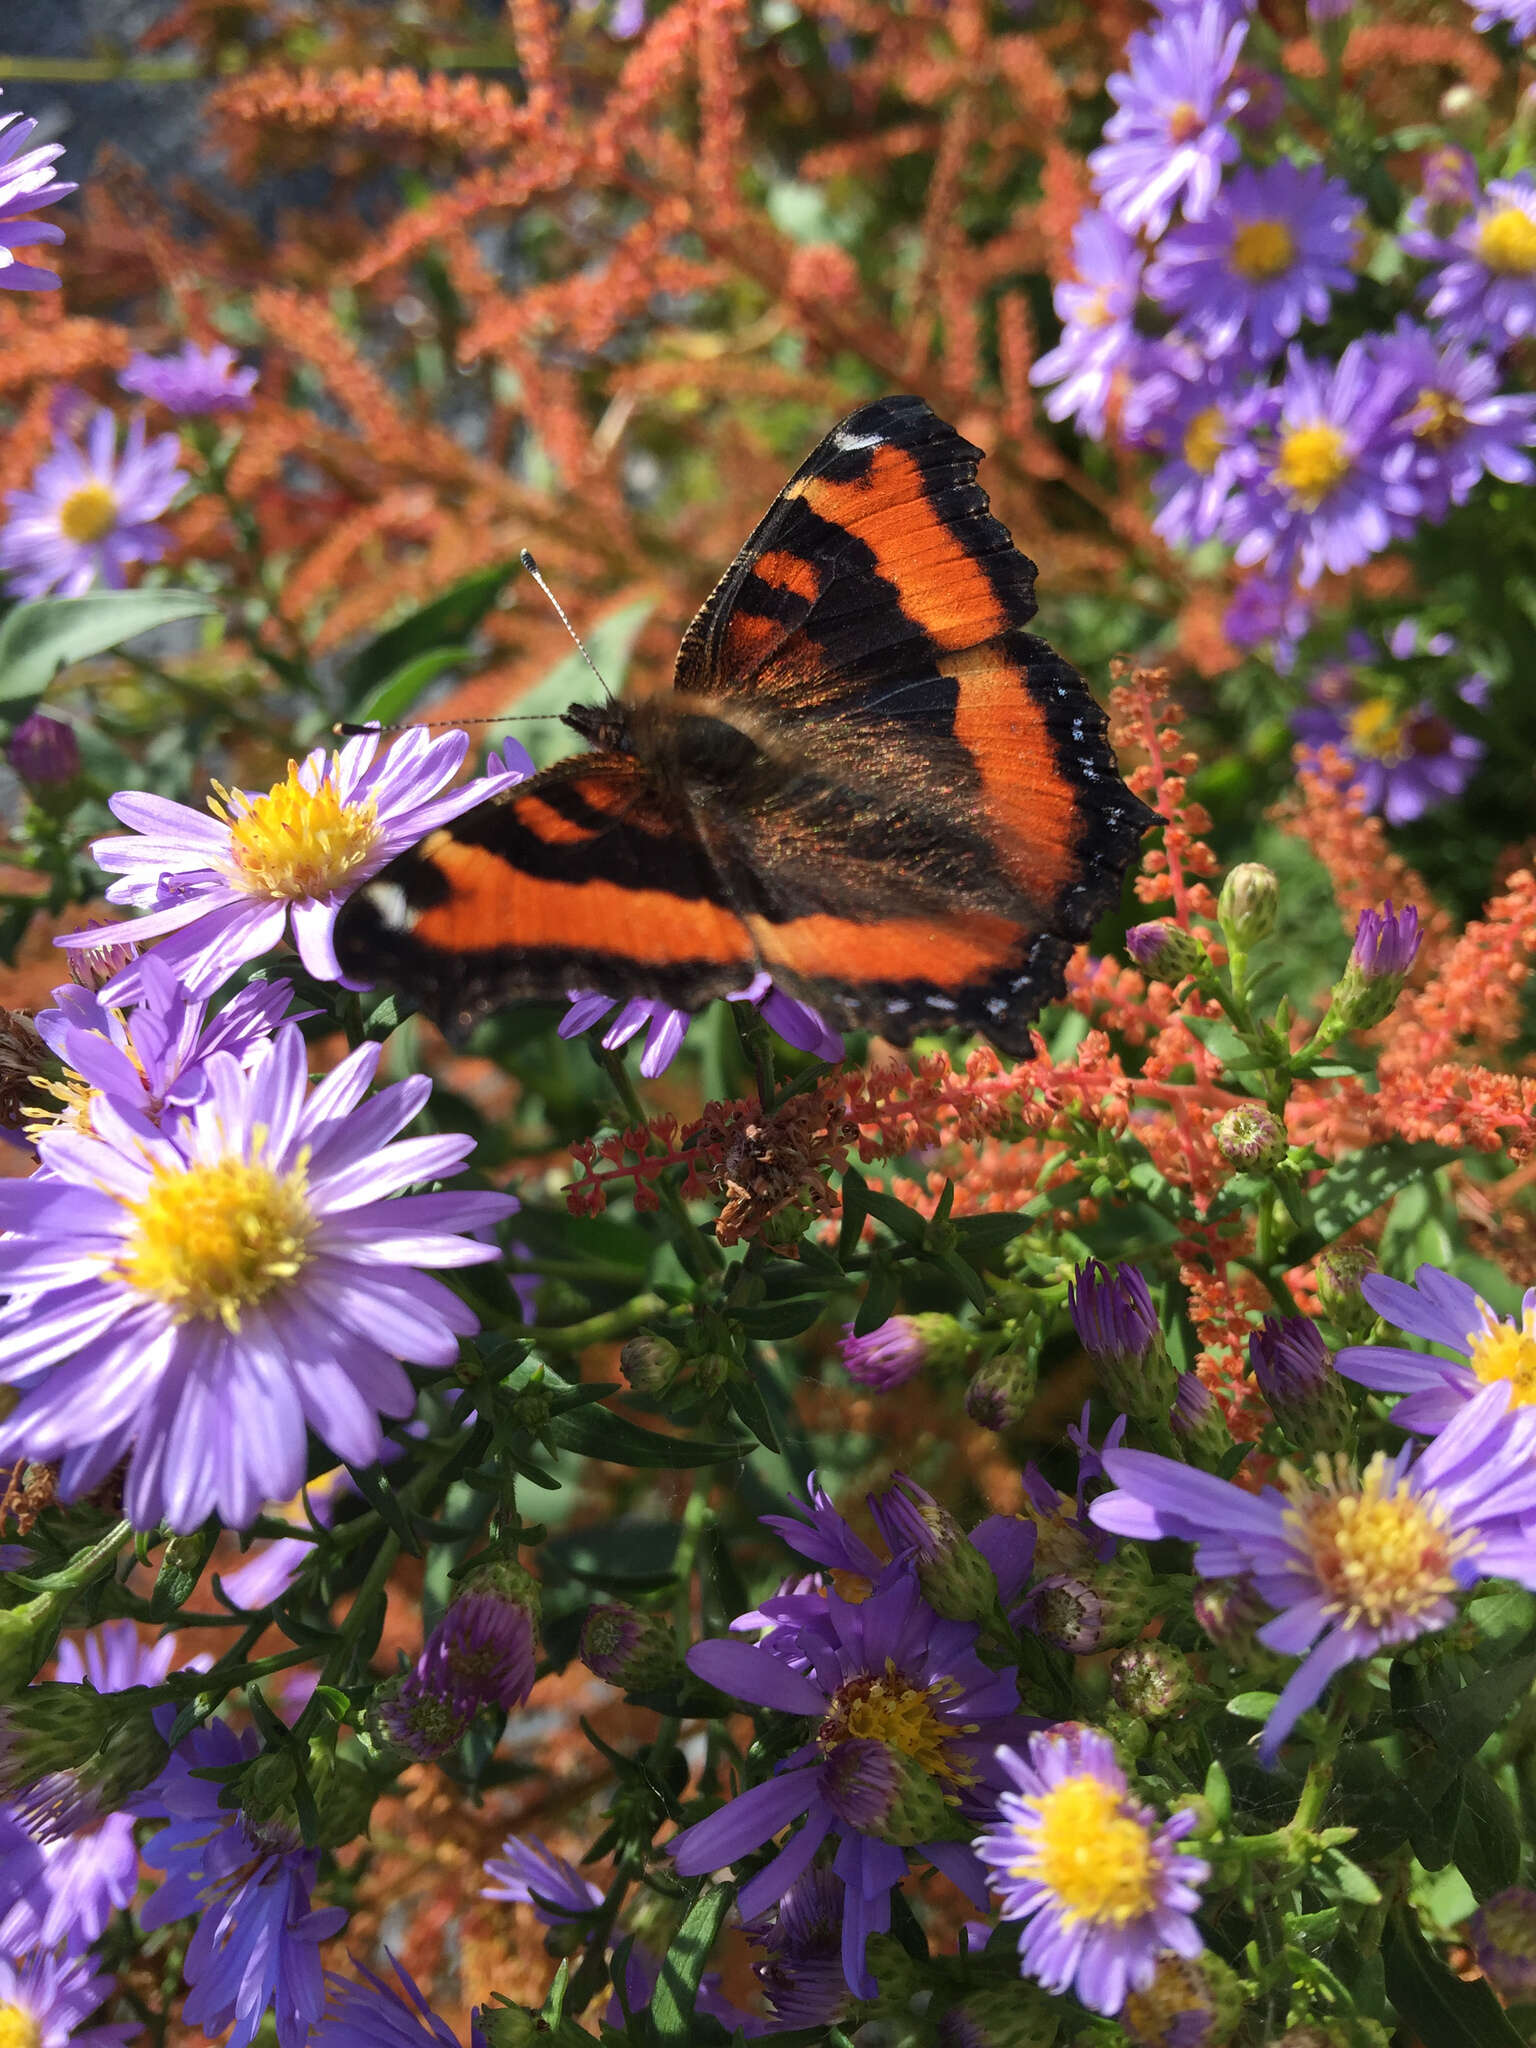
[868, 782]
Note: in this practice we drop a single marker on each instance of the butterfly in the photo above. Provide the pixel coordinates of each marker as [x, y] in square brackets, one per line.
[868, 782]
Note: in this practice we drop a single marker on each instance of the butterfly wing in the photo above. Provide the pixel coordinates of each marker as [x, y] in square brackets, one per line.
[580, 878]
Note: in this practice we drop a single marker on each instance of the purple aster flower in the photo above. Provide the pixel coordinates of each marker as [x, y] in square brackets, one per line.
[887, 1357]
[1268, 608]
[1319, 498]
[44, 2001]
[795, 1022]
[1273, 248]
[908, 1723]
[1437, 1306]
[819, 1532]
[1484, 288]
[153, 1060]
[1169, 138]
[1097, 310]
[1502, 1935]
[1456, 426]
[26, 183]
[1406, 762]
[1386, 942]
[191, 1298]
[43, 751]
[1448, 177]
[374, 2014]
[194, 380]
[220, 890]
[1519, 16]
[90, 511]
[1209, 437]
[1112, 1312]
[802, 1968]
[256, 1948]
[528, 1873]
[1294, 1371]
[1098, 1880]
[1353, 1563]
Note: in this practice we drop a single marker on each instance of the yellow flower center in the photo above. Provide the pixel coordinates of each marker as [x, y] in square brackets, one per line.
[1095, 312]
[1439, 418]
[1311, 461]
[1094, 1856]
[18, 2029]
[1506, 241]
[901, 1715]
[1262, 248]
[295, 842]
[1375, 728]
[1382, 1554]
[213, 1240]
[88, 513]
[1500, 1351]
[1184, 122]
[1203, 441]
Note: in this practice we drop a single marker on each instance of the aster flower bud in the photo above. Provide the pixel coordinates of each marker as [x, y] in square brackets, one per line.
[1251, 1139]
[956, 1580]
[889, 1356]
[1231, 1612]
[267, 1786]
[1097, 1608]
[1153, 1681]
[1250, 902]
[1002, 1389]
[1192, 2002]
[650, 1364]
[1340, 1270]
[1112, 1312]
[1294, 1371]
[92, 967]
[1196, 1420]
[626, 1648]
[23, 1057]
[70, 1754]
[1502, 1934]
[1001, 2016]
[490, 1632]
[1166, 952]
[421, 1712]
[345, 1799]
[880, 1790]
[43, 751]
[1386, 945]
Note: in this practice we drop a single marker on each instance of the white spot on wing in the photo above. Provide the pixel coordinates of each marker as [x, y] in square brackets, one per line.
[389, 900]
[851, 443]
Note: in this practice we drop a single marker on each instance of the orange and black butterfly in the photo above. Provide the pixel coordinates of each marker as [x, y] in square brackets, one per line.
[868, 781]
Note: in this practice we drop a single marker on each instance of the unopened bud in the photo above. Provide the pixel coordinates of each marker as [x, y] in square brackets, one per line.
[1166, 952]
[955, 1579]
[1002, 1389]
[1098, 1608]
[92, 967]
[1112, 1312]
[901, 1346]
[1151, 1680]
[1251, 1139]
[1231, 1613]
[267, 1787]
[43, 752]
[623, 1647]
[650, 1364]
[1001, 2016]
[1294, 1371]
[490, 1632]
[345, 1803]
[1386, 945]
[1340, 1271]
[1192, 2002]
[1250, 902]
[1197, 1421]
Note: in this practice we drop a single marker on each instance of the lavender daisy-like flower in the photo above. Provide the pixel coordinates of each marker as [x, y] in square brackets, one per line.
[44, 2000]
[1456, 426]
[1097, 310]
[1209, 437]
[887, 1357]
[374, 2014]
[90, 511]
[1353, 1563]
[665, 1027]
[256, 1948]
[1275, 245]
[527, 1872]
[1098, 1880]
[1519, 16]
[1484, 288]
[908, 1721]
[194, 380]
[27, 182]
[1267, 608]
[225, 889]
[802, 1968]
[191, 1298]
[1406, 761]
[1169, 137]
[1490, 1348]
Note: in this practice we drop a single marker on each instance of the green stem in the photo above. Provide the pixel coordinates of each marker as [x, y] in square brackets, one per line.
[696, 1518]
[601, 1329]
[368, 1599]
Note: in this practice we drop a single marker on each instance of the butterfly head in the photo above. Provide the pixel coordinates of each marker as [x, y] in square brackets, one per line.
[604, 726]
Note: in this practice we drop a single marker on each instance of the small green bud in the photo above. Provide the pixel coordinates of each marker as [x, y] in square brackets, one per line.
[1100, 1607]
[1340, 1270]
[1166, 952]
[1001, 2016]
[1002, 1389]
[346, 1799]
[956, 1580]
[267, 1787]
[623, 1647]
[1192, 2002]
[1250, 900]
[1251, 1139]
[650, 1364]
[1151, 1680]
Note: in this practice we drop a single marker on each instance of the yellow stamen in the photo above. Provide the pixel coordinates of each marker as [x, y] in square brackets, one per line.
[1183, 122]
[88, 513]
[1094, 312]
[18, 2029]
[1502, 1351]
[1506, 241]
[1376, 729]
[1439, 418]
[1262, 249]
[890, 1710]
[213, 1240]
[1094, 1856]
[1382, 1554]
[1203, 441]
[295, 842]
[1312, 461]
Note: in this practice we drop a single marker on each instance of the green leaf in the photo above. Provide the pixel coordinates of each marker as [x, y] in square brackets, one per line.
[599, 1433]
[446, 621]
[38, 639]
[982, 1234]
[855, 1209]
[1359, 1183]
[1487, 1846]
[397, 693]
[902, 1222]
[780, 1318]
[879, 1303]
[1439, 2008]
[687, 1957]
[1252, 1706]
[1347, 1879]
[1459, 1724]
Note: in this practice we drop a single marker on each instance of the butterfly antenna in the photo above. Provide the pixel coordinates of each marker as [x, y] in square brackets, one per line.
[345, 729]
[534, 571]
